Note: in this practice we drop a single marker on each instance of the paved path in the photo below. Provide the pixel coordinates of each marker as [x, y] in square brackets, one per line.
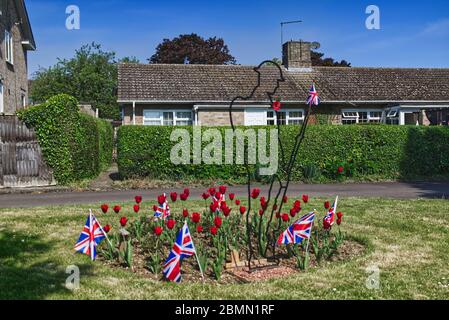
[432, 190]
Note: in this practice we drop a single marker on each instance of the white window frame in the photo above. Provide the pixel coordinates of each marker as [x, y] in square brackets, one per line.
[2, 99]
[353, 114]
[9, 47]
[160, 118]
[288, 118]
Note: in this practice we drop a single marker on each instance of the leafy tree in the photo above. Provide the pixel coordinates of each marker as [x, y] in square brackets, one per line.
[318, 60]
[90, 76]
[193, 49]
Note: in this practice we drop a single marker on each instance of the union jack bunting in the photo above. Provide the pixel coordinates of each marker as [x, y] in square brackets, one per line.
[163, 211]
[330, 216]
[313, 98]
[91, 236]
[182, 248]
[298, 231]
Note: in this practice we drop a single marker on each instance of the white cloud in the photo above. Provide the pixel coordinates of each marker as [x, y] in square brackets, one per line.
[437, 28]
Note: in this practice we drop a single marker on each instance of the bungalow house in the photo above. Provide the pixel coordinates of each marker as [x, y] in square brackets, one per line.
[16, 39]
[165, 94]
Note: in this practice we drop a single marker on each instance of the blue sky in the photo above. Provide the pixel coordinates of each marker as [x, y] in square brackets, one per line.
[412, 34]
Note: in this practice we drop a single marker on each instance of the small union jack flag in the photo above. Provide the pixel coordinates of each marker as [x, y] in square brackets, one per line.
[298, 231]
[182, 248]
[330, 216]
[91, 237]
[219, 201]
[163, 211]
[313, 98]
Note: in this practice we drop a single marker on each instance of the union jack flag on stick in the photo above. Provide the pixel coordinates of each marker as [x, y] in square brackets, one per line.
[91, 237]
[313, 98]
[330, 216]
[182, 248]
[300, 230]
[163, 211]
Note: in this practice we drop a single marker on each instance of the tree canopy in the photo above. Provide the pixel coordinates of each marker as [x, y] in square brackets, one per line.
[319, 61]
[192, 49]
[90, 76]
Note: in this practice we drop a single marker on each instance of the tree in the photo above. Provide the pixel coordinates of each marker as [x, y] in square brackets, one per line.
[90, 76]
[317, 60]
[193, 49]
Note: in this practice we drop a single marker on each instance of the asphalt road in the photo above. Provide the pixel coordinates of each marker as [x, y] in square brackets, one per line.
[430, 190]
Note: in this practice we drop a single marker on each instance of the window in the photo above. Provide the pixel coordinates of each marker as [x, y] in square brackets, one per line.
[290, 117]
[361, 116]
[167, 118]
[393, 117]
[9, 45]
[1, 98]
[24, 100]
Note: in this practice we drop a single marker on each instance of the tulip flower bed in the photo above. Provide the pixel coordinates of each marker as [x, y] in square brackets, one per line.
[143, 242]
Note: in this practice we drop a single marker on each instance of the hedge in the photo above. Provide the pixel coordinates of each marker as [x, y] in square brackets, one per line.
[365, 152]
[75, 145]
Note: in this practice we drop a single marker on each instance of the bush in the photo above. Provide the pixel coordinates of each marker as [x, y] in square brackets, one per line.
[76, 146]
[381, 152]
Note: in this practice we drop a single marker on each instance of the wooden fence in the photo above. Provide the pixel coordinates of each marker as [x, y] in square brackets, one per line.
[21, 161]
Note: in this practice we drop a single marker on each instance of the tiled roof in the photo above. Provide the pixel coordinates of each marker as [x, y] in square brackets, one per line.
[209, 83]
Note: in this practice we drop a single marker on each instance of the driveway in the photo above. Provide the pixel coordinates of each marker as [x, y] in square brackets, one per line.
[429, 190]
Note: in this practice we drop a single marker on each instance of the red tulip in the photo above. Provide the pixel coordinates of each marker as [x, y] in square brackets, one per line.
[187, 192]
[206, 196]
[217, 196]
[199, 229]
[107, 228]
[340, 169]
[218, 222]
[222, 189]
[196, 217]
[158, 231]
[155, 207]
[212, 191]
[261, 212]
[297, 204]
[231, 196]
[105, 208]
[173, 196]
[138, 199]
[263, 203]
[214, 231]
[255, 193]
[242, 210]
[213, 206]
[184, 196]
[123, 221]
[171, 224]
[285, 217]
[339, 215]
[117, 209]
[305, 198]
[223, 205]
[293, 212]
[327, 205]
[237, 202]
[339, 221]
[136, 208]
[326, 225]
[161, 199]
[278, 215]
[277, 105]
[285, 199]
[185, 213]
[275, 207]
[226, 211]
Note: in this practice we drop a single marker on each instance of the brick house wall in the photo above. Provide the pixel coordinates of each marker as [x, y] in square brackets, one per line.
[14, 76]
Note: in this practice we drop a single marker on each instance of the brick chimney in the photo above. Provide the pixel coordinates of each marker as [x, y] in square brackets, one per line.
[296, 55]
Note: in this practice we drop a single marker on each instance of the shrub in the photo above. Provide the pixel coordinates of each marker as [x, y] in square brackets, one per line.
[383, 152]
[76, 146]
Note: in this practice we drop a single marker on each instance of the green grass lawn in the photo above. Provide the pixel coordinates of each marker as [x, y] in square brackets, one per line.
[408, 241]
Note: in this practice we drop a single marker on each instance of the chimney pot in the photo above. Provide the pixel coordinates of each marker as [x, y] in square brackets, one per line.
[297, 55]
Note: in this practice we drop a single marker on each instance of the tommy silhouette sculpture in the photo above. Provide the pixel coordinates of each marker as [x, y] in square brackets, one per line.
[283, 176]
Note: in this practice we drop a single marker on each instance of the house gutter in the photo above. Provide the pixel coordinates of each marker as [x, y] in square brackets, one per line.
[201, 103]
